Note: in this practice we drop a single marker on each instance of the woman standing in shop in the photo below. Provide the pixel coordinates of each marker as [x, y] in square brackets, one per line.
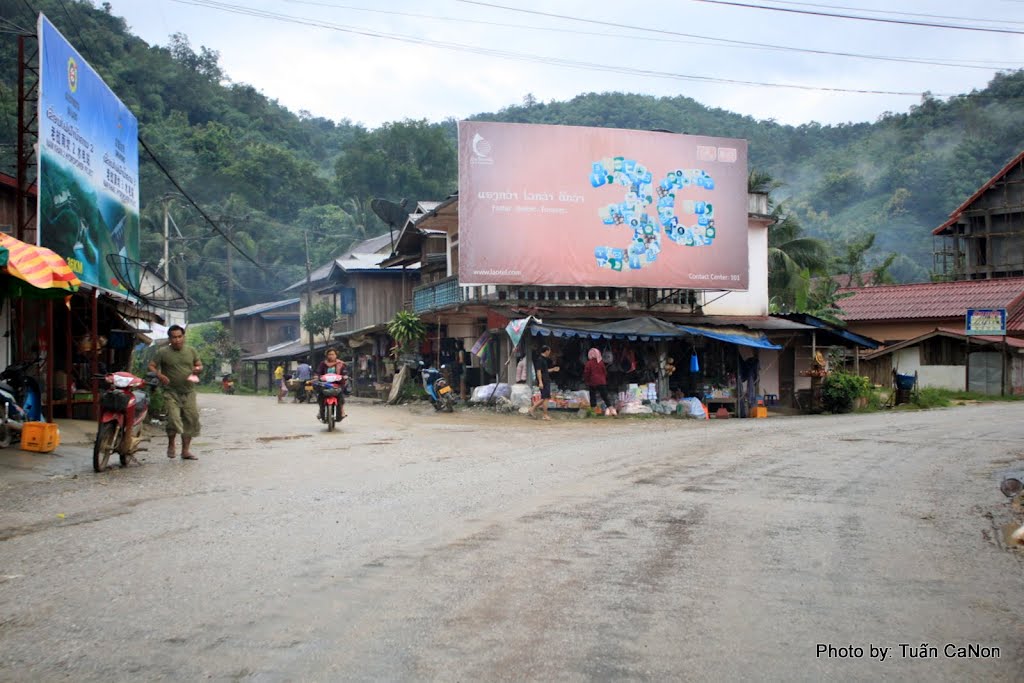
[595, 376]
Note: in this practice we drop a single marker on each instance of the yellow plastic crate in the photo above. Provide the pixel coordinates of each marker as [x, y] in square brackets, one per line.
[39, 437]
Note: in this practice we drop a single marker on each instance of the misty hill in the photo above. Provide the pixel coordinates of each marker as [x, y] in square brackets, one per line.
[271, 176]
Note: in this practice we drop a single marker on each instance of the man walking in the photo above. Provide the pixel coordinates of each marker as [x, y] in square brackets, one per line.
[177, 366]
[543, 367]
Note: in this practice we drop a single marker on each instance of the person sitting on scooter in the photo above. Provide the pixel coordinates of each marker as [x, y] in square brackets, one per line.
[336, 365]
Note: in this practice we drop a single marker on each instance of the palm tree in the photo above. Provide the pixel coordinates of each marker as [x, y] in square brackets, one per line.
[792, 258]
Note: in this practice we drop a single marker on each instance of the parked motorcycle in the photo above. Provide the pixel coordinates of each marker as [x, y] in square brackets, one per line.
[24, 387]
[123, 409]
[301, 390]
[438, 390]
[13, 416]
[332, 388]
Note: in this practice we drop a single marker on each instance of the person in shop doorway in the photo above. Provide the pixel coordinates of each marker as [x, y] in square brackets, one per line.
[459, 370]
[544, 369]
[177, 366]
[595, 376]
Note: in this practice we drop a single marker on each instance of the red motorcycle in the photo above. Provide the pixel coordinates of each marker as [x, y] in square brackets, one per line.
[332, 388]
[123, 409]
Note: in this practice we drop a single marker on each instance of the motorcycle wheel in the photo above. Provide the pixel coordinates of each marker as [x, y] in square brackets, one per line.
[449, 405]
[106, 439]
[330, 418]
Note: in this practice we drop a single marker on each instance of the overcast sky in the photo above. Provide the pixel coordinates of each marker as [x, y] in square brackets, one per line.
[373, 61]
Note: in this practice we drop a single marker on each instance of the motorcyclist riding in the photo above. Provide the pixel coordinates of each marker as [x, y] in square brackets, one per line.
[331, 363]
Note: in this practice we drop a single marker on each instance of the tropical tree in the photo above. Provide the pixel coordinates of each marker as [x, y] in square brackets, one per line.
[318, 320]
[406, 329]
[792, 258]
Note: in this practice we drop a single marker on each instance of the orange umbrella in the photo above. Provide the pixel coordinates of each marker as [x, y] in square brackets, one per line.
[37, 266]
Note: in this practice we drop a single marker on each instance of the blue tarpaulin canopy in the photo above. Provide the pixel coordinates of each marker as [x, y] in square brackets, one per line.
[731, 335]
[647, 328]
[644, 328]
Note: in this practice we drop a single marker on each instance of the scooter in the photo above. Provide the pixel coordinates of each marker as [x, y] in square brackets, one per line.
[123, 410]
[25, 387]
[12, 418]
[301, 390]
[19, 396]
[438, 389]
[332, 387]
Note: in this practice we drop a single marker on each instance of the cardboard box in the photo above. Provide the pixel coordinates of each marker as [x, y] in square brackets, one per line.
[39, 437]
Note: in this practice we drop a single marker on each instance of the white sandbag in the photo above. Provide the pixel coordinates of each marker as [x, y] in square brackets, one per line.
[635, 409]
[490, 392]
[521, 395]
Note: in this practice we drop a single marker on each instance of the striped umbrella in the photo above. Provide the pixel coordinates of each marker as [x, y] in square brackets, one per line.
[46, 272]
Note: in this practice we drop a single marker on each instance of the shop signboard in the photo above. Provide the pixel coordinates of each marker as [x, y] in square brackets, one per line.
[575, 206]
[88, 166]
[990, 321]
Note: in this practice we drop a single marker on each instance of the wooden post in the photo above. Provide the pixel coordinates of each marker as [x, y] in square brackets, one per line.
[967, 370]
[94, 361]
[69, 360]
[1002, 382]
[49, 361]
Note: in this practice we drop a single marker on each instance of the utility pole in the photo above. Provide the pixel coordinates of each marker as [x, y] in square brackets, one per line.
[167, 240]
[309, 295]
[231, 282]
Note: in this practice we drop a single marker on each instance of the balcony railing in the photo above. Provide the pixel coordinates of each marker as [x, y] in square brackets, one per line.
[449, 292]
[441, 294]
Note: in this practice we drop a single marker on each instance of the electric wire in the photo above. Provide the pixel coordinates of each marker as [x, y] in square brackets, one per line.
[893, 12]
[567, 63]
[690, 38]
[924, 24]
[662, 31]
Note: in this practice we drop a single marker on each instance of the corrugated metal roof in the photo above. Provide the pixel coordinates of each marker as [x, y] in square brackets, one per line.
[256, 309]
[929, 300]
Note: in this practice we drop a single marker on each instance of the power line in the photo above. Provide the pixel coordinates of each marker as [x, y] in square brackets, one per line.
[903, 14]
[689, 38]
[934, 61]
[904, 22]
[553, 61]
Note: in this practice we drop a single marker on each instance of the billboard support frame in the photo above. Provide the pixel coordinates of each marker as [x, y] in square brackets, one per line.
[28, 132]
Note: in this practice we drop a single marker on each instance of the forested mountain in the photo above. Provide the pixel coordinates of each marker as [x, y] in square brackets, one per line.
[269, 176]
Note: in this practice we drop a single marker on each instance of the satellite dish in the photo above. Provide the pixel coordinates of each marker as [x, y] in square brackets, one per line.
[393, 214]
[146, 285]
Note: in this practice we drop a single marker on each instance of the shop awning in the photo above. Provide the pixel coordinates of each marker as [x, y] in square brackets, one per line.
[38, 271]
[644, 328]
[732, 336]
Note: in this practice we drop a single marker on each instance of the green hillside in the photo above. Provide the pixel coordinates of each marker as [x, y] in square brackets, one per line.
[271, 176]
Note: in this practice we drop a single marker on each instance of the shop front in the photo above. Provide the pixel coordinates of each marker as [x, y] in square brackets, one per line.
[651, 362]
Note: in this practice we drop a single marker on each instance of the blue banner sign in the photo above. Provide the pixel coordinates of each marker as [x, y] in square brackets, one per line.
[88, 166]
[991, 321]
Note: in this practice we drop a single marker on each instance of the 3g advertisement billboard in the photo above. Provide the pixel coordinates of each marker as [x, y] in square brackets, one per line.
[566, 205]
[88, 165]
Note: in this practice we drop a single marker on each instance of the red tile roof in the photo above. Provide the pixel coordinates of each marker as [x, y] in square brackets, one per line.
[934, 300]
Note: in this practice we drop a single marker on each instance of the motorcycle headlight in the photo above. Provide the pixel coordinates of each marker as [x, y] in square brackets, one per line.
[122, 382]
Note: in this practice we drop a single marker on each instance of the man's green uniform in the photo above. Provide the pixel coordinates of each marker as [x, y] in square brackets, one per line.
[179, 394]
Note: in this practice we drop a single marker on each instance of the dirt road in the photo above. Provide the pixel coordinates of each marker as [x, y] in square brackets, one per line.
[417, 546]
